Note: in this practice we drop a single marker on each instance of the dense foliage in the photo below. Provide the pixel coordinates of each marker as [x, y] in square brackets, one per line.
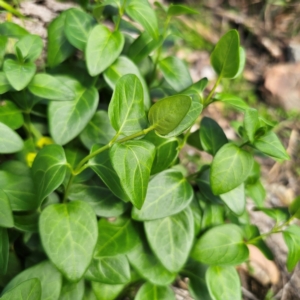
[93, 199]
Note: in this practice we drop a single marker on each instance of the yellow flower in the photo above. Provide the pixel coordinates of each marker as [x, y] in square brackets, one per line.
[43, 141]
[30, 158]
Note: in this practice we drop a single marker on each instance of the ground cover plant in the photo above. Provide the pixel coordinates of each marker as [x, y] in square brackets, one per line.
[94, 203]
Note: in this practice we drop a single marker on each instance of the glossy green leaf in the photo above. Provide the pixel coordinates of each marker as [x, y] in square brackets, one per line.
[270, 145]
[280, 214]
[121, 67]
[177, 233]
[294, 208]
[69, 234]
[102, 49]
[31, 47]
[235, 199]
[10, 114]
[10, 141]
[230, 167]
[196, 88]
[105, 291]
[223, 283]
[98, 130]
[116, 237]
[50, 87]
[292, 239]
[251, 123]
[126, 109]
[142, 13]
[68, 118]
[48, 170]
[256, 192]
[176, 73]
[212, 136]
[72, 291]
[59, 48]
[154, 292]
[221, 245]
[78, 25]
[18, 74]
[168, 194]
[6, 218]
[232, 100]
[213, 214]
[12, 30]
[242, 64]
[166, 114]
[110, 270]
[4, 84]
[3, 44]
[27, 223]
[225, 58]
[132, 162]
[178, 10]
[49, 276]
[28, 290]
[4, 250]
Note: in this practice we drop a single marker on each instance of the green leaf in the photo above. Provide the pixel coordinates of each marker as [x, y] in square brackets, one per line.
[179, 10]
[154, 292]
[98, 130]
[235, 199]
[126, 109]
[6, 218]
[225, 58]
[69, 234]
[4, 250]
[292, 239]
[50, 87]
[270, 145]
[110, 270]
[177, 233]
[102, 49]
[232, 100]
[166, 114]
[142, 13]
[105, 291]
[166, 151]
[59, 48]
[27, 290]
[3, 44]
[72, 291]
[116, 237]
[212, 136]
[68, 118]
[213, 214]
[78, 25]
[18, 74]
[49, 276]
[168, 194]
[10, 141]
[223, 283]
[99, 197]
[230, 167]
[251, 123]
[256, 192]
[294, 208]
[176, 73]
[148, 266]
[4, 84]
[132, 162]
[242, 64]
[27, 223]
[280, 214]
[30, 46]
[10, 114]
[48, 170]
[221, 245]
[12, 30]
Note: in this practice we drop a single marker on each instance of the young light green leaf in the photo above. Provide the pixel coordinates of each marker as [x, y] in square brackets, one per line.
[6, 218]
[270, 145]
[78, 25]
[50, 87]
[294, 208]
[176, 73]
[235, 199]
[69, 234]
[242, 61]
[221, 245]
[223, 283]
[116, 237]
[105, 291]
[102, 49]
[110, 270]
[212, 136]
[177, 233]
[232, 100]
[166, 114]
[28, 290]
[251, 123]
[4, 250]
[230, 167]
[154, 292]
[4, 84]
[12, 30]
[132, 162]
[168, 194]
[72, 291]
[179, 10]
[256, 192]
[18, 74]
[30, 46]
[292, 239]
[10, 114]
[59, 48]
[225, 58]
[126, 109]
[10, 141]
[49, 276]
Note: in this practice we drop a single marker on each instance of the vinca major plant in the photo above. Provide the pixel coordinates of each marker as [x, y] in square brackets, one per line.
[93, 201]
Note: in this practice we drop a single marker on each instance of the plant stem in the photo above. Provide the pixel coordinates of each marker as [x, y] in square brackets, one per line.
[206, 102]
[68, 188]
[121, 12]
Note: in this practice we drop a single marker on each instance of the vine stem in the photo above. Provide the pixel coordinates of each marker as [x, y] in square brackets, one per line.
[206, 102]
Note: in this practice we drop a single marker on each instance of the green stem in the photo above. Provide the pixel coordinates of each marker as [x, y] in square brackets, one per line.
[121, 13]
[67, 190]
[185, 137]
[207, 100]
